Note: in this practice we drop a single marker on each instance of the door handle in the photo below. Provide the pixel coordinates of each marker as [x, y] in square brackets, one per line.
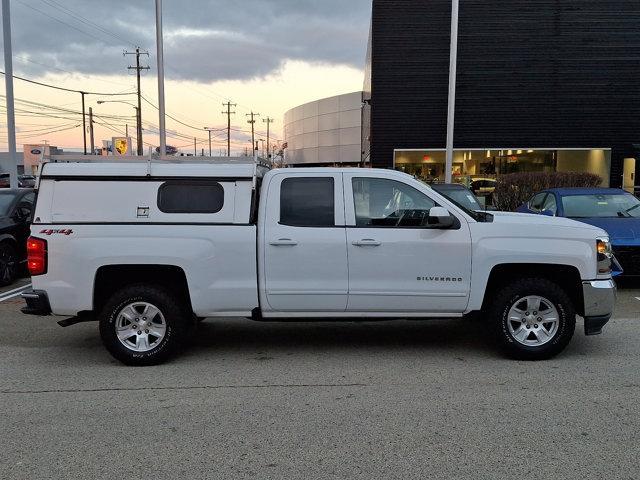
[367, 242]
[283, 242]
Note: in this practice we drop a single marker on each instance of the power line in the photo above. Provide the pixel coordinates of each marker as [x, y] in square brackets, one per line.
[64, 23]
[174, 118]
[22, 137]
[68, 89]
[62, 70]
[82, 19]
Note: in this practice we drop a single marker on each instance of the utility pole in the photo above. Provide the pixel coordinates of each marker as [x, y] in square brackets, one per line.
[12, 164]
[138, 69]
[262, 142]
[84, 124]
[253, 134]
[208, 129]
[93, 147]
[195, 147]
[228, 113]
[268, 121]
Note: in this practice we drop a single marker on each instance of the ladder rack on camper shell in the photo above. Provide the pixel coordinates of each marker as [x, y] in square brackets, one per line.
[69, 167]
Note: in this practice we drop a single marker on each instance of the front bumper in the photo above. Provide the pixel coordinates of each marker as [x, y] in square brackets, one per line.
[37, 303]
[599, 303]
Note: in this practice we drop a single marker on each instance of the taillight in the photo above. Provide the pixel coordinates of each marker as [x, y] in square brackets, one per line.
[37, 256]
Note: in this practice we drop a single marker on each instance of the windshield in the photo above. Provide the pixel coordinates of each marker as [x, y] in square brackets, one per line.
[473, 214]
[462, 197]
[601, 206]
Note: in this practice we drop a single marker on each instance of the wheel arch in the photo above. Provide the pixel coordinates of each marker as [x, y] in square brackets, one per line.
[8, 238]
[566, 276]
[111, 278]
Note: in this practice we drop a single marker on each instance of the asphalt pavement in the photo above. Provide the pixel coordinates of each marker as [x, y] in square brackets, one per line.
[383, 400]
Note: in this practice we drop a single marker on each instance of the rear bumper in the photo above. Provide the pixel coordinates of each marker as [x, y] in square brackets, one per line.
[599, 303]
[37, 303]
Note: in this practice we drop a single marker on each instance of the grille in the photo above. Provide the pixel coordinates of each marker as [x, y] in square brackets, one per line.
[629, 258]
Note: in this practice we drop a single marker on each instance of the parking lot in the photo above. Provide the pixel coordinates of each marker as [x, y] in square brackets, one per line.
[354, 400]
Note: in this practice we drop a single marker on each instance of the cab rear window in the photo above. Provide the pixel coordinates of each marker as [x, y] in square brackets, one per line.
[190, 197]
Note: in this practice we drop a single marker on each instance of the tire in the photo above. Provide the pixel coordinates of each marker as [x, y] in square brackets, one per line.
[8, 264]
[524, 333]
[152, 310]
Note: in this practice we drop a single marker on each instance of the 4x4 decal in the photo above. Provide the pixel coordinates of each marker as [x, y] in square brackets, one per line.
[66, 231]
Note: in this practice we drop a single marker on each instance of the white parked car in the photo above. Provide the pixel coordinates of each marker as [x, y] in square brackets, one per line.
[147, 249]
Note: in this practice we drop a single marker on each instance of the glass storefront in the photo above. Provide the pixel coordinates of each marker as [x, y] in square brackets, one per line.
[477, 165]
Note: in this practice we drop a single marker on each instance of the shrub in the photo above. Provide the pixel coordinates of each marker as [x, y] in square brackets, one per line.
[514, 189]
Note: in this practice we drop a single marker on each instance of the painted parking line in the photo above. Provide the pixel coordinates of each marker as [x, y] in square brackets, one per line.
[14, 292]
[638, 298]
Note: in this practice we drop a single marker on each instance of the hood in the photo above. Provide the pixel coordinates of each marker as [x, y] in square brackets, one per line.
[541, 221]
[625, 231]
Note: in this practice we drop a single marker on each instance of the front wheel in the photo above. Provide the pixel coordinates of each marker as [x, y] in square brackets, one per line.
[533, 319]
[143, 325]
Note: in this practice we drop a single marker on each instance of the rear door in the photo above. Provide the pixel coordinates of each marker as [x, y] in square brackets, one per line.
[304, 243]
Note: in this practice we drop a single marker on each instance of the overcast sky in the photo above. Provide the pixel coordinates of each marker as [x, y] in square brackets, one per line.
[205, 40]
[265, 55]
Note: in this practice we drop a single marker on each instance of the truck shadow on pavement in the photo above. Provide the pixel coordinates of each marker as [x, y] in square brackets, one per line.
[244, 335]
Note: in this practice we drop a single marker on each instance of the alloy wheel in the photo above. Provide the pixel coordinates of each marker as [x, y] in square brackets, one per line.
[533, 321]
[140, 326]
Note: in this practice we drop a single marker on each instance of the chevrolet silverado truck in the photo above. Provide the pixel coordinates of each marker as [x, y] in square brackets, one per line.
[148, 249]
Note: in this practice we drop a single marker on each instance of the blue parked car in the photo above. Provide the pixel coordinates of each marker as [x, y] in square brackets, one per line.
[615, 211]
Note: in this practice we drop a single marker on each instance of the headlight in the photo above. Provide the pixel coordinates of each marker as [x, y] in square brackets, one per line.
[605, 255]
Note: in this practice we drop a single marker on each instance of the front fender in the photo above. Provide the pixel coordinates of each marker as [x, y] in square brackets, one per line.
[490, 252]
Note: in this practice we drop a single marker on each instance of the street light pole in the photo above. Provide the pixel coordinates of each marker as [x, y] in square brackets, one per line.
[160, 56]
[12, 164]
[453, 67]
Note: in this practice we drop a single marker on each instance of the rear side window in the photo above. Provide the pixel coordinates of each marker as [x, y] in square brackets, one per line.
[307, 202]
[190, 197]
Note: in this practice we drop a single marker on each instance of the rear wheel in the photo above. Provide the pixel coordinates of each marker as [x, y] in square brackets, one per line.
[143, 325]
[8, 264]
[533, 319]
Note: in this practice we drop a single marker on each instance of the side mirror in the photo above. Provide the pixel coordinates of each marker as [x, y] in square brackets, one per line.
[23, 212]
[440, 217]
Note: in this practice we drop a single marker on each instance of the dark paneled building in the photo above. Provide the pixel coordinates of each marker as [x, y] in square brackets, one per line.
[542, 85]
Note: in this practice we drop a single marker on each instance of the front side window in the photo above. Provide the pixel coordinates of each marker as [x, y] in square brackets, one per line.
[190, 197]
[550, 204]
[307, 202]
[536, 202]
[387, 203]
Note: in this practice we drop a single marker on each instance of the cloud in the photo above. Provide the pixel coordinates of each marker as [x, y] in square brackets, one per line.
[205, 40]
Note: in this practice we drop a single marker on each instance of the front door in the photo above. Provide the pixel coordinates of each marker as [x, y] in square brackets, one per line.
[396, 262]
[305, 250]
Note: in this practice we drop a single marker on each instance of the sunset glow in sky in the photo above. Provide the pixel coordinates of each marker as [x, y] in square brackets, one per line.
[267, 56]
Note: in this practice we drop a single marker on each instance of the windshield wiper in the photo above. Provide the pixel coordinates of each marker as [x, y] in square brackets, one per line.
[629, 210]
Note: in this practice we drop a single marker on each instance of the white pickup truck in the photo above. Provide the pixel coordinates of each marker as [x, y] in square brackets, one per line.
[148, 249]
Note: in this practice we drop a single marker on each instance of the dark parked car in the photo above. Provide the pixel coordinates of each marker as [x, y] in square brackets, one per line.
[24, 181]
[459, 194]
[16, 207]
[612, 209]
